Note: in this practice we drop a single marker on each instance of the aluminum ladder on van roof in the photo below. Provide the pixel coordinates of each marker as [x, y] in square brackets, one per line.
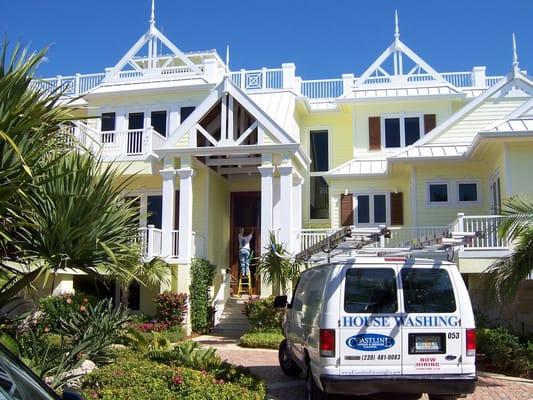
[351, 242]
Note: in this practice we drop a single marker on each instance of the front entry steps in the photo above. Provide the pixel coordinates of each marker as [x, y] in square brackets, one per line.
[233, 323]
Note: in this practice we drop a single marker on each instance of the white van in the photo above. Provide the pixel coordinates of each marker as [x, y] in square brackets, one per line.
[381, 325]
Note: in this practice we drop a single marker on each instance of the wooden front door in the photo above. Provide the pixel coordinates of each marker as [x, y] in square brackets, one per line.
[245, 213]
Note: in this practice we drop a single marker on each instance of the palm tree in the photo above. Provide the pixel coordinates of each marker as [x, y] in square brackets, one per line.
[276, 266]
[59, 207]
[507, 273]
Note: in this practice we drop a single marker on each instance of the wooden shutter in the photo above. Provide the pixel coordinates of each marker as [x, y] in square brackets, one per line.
[346, 209]
[396, 208]
[430, 122]
[374, 133]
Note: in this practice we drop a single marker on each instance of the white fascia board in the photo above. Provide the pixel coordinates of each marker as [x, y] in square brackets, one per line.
[146, 87]
[414, 98]
[432, 158]
[351, 176]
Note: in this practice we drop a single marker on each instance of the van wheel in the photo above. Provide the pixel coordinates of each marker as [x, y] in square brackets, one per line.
[442, 397]
[313, 391]
[288, 366]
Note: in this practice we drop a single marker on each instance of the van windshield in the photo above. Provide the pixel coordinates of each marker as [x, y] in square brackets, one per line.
[427, 290]
[370, 290]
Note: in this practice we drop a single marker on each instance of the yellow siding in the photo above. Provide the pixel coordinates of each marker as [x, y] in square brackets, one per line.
[442, 109]
[364, 186]
[444, 215]
[520, 163]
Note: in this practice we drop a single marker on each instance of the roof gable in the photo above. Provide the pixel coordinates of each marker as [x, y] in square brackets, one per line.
[266, 129]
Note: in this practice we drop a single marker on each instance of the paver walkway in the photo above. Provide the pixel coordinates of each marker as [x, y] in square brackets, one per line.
[264, 363]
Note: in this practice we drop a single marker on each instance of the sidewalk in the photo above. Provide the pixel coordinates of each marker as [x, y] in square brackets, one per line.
[264, 363]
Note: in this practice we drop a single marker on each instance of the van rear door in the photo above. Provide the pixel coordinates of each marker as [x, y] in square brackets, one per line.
[369, 341]
[431, 322]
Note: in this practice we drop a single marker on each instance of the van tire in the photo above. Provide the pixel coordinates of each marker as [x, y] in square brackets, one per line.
[442, 397]
[287, 364]
[312, 390]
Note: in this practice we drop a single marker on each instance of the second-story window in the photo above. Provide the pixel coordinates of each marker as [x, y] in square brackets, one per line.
[319, 190]
[401, 131]
[158, 120]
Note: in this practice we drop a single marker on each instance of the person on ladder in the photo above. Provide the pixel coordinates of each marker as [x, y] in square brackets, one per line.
[245, 251]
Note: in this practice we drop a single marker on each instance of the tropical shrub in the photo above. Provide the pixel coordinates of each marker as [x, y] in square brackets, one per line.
[265, 339]
[57, 308]
[262, 314]
[135, 378]
[504, 350]
[202, 274]
[171, 308]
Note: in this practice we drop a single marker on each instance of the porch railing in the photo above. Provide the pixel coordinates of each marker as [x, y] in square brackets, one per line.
[151, 240]
[487, 225]
[132, 142]
[264, 78]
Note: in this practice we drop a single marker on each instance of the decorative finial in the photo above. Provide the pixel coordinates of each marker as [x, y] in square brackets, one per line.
[515, 55]
[152, 15]
[227, 59]
[396, 26]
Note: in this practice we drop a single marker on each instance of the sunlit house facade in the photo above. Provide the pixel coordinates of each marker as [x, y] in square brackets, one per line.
[400, 144]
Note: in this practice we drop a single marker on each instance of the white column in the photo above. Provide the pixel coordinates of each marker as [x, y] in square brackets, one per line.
[478, 77]
[167, 212]
[267, 205]
[285, 204]
[347, 82]
[289, 73]
[296, 211]
[185, 228]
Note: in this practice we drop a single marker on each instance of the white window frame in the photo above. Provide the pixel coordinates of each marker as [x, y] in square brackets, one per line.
[468, 181]
[401, 117]
[308, 131]
[430, 203]
[453, 193]
[371, 209]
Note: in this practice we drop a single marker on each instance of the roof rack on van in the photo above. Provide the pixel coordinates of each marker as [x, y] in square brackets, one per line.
[351, 242]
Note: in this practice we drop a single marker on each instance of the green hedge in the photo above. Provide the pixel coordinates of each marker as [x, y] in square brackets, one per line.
[262, 314]
[135, 378]
[505, 351]
[265, 339]
[202, 274]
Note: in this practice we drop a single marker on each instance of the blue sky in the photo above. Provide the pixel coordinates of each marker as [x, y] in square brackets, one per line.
[323, 38]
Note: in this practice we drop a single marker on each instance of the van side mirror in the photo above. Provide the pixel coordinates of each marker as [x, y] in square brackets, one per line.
[69, 394]
[280, 301]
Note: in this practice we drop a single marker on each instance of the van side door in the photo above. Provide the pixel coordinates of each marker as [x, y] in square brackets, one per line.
[294, 322]
[370, 342]
[431, 322]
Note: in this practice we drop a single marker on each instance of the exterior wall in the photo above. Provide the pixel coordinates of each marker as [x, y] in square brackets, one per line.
[147, 296]
[518, 314]
[520, 164]
[455, 171]
[442, 108]
[365, 186]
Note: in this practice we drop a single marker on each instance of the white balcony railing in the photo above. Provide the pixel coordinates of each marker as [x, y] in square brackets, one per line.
[151, 241]
[487, 225]
[322, 88]
[132, 142]
[259, 79]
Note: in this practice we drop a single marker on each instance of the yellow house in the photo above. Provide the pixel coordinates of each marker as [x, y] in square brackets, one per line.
[217, 150]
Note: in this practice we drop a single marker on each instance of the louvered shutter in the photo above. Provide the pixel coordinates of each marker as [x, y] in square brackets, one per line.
[374, 133]
[396, 208]
[346, 209]
[430, 122]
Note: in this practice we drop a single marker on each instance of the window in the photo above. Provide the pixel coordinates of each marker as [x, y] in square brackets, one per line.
[158, 120]
[90, 286]
[467, 192]
[155, 208]
[136, 121]
[319, 151]
[453, 193]
[401, 131]
[372, 209]
[319, 198]
[427, 290]
[370, 290]
[438, 192]
[185, 112]
[108, 122]
[108, 125]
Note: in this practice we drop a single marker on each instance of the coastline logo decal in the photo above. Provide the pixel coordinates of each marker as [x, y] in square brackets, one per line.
[370, 342]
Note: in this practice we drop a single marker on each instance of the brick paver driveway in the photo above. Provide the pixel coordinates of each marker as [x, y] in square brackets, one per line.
[265, 364]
